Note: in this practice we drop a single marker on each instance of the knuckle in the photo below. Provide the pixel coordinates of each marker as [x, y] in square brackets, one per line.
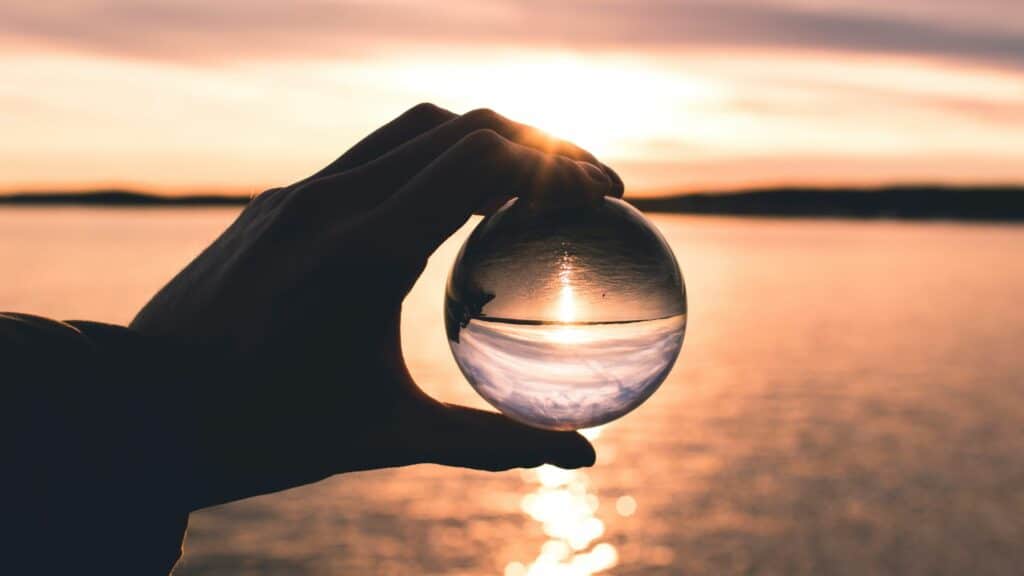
[308, 199]
[268, 201]
[483, 142]
[426, 111]
[299, 201]
[483, 117]
[266, 196]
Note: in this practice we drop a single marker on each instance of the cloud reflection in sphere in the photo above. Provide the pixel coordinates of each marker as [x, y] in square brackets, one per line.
[565, 319]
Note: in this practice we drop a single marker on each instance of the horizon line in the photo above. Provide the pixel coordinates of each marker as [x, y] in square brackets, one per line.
[991, 202]
[154, 195]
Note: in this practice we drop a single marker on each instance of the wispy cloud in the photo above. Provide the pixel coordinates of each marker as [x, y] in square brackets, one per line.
[689, 93]
[981, 31]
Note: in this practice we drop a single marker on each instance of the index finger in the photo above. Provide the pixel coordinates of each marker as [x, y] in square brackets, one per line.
[483, 166]
[399, 166]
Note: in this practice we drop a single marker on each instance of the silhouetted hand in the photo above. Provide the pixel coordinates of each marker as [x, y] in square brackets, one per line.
[301, 297]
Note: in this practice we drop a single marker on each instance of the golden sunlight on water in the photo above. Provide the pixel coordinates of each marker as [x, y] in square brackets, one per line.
[565, 505]
[848, 401]
[566, 311]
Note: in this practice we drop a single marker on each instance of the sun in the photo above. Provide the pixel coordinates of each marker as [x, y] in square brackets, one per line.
[607, 104]
[566, 308]
[580, 100]
[566, 304]
[567, 314]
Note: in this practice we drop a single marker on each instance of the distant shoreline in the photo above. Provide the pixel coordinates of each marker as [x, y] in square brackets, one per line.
[932, 202]
[990, 203]
[118, 198]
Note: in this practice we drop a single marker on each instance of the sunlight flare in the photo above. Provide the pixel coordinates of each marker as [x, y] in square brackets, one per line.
[606, 104]
[567, 312]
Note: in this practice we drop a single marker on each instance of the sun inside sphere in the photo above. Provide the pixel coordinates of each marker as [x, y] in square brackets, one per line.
[565, 319]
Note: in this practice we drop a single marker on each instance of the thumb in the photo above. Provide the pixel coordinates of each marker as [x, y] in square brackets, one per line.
[471, 438]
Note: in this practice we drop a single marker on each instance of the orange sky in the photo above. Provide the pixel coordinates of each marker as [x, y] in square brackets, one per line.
[240, 96]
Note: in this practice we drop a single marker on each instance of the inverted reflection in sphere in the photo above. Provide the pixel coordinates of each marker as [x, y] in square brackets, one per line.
[565, 319]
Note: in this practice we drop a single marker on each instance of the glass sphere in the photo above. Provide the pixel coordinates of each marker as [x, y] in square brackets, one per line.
[565, 319]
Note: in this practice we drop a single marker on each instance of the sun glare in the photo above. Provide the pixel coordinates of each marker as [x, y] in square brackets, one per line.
[566, 304]
[605, 104]
[566, 308]
[567, 313]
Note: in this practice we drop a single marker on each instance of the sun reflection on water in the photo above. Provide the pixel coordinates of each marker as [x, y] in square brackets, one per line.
[567, 307]
[565, 505]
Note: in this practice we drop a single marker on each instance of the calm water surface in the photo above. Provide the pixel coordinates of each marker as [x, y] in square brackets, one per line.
[849, 400]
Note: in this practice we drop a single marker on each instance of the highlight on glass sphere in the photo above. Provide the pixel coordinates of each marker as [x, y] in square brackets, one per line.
[568, 319]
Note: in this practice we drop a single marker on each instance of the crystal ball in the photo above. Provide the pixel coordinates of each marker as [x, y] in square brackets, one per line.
[565, 319]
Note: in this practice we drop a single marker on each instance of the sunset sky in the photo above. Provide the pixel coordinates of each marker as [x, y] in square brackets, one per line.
[238, 96]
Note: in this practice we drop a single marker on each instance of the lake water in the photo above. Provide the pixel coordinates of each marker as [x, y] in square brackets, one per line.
[849, 400]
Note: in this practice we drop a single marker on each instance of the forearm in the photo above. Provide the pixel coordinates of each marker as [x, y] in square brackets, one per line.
[98, 468]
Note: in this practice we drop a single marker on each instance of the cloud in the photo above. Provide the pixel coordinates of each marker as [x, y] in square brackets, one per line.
[208, 31]
[847, 29]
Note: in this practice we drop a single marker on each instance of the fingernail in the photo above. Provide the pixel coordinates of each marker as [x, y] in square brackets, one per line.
[579, 455]
[596, 174]
[617, 186]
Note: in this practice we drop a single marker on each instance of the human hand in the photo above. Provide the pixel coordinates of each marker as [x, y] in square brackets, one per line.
[304, 291]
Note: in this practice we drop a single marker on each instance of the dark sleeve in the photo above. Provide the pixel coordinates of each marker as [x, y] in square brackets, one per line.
[98, 457]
